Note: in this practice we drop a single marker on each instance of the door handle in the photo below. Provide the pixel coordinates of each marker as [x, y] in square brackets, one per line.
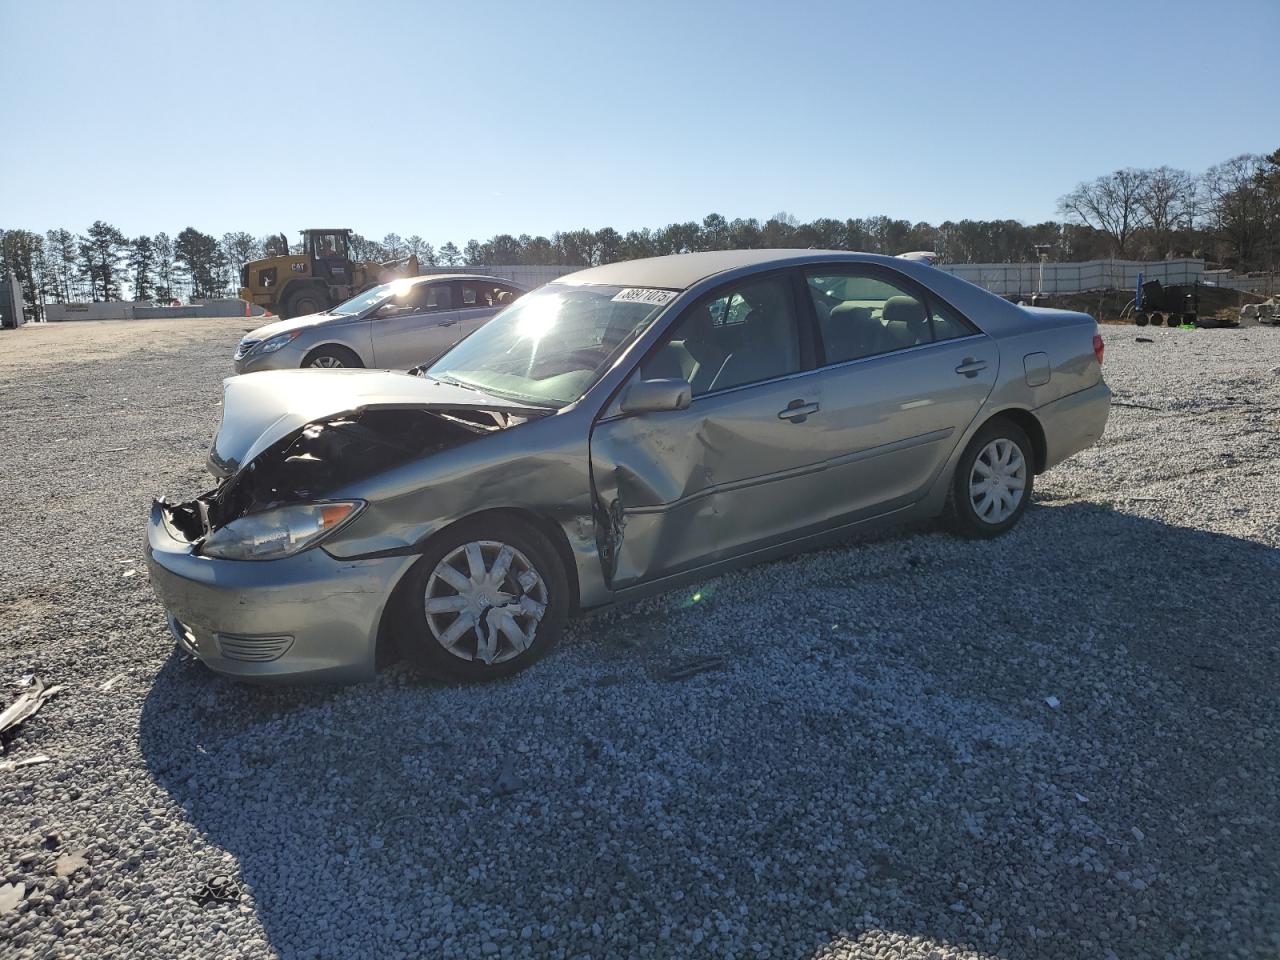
[797, 411]
[970, 366]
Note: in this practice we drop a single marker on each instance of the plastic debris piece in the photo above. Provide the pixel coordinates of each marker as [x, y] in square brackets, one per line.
[218, 889]
[508, 783]
[1082, 798]
[1053, 702]
[8, 766]
[691, 666]
[108, 684]
[69, 863]
[26, 705]
[11, 894]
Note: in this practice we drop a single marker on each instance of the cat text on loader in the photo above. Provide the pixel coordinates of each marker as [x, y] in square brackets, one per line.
[320, 277]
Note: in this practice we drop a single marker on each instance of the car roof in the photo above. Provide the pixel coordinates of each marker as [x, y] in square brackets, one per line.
[682, 270]
[423, 277]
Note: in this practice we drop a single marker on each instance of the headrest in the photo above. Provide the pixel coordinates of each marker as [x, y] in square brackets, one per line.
[903, 310]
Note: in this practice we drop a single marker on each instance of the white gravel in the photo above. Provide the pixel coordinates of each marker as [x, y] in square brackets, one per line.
[1058, 744]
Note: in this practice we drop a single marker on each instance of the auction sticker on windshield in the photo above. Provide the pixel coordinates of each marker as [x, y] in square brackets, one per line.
[648, 295]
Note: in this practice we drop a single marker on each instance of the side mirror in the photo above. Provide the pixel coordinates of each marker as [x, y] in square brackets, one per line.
[655, 396]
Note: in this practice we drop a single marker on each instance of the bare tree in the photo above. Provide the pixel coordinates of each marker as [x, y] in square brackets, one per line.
[1168, 201]
[1240, 210]
[1111, 204]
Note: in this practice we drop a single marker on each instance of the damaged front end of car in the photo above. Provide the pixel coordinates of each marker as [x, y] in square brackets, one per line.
[271, 468]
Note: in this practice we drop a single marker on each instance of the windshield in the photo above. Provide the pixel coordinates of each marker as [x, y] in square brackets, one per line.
[371, 298]
[551, 345]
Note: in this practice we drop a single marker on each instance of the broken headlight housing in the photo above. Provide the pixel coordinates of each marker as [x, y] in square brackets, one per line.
[278, 533]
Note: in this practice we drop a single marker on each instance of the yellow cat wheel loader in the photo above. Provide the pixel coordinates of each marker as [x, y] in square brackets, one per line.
[322, 276]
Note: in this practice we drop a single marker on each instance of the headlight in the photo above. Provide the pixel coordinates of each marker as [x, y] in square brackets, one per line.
[272, 344]
[278, 533]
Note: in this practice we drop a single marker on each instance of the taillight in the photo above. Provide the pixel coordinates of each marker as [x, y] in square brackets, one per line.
[1099, 348]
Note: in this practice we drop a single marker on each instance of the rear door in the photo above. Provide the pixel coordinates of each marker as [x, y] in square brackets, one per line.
[415, 328]
[740, 468]
[477, 301]
[903, 374]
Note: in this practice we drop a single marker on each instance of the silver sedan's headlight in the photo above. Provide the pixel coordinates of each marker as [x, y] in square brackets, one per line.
[281, 532]
[272, 344]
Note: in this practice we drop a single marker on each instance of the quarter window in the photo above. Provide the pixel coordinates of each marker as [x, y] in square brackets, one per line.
[745, 334]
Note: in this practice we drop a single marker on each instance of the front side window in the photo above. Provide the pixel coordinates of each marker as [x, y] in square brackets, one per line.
[551, 345]
[864, 315]
[745, 334]
[374, 297]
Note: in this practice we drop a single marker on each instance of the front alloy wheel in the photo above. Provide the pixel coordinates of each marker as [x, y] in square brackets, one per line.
[488, 598]
[484, 602]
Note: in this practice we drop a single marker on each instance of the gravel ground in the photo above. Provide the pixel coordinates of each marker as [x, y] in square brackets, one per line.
[1058, 744]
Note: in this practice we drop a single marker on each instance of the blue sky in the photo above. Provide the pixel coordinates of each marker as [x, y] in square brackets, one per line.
[468, 119]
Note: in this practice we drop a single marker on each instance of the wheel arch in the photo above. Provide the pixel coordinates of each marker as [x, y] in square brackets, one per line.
[334, 344]
[1030, 425]
[543, 523]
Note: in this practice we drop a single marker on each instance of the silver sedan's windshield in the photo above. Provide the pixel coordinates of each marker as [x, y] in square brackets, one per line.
[551, 345]
[371, 298]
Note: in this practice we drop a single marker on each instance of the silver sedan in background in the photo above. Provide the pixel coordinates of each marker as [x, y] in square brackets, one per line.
[621, 431]
[396, 325]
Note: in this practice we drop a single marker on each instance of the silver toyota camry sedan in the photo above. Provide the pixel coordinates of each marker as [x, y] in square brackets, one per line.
[621, 431]
[393, 325]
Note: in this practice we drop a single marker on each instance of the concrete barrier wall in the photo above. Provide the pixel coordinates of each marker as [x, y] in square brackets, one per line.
[123, 310]
[1024, 278]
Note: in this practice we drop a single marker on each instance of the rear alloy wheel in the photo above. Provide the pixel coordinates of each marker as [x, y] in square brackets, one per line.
[484, 602]
[331, 356]
[993, 481]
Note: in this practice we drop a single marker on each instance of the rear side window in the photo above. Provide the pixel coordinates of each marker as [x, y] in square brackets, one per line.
[864, 315]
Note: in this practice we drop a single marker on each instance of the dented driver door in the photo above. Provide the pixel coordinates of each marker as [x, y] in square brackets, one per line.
[735, 471]
[740, 468]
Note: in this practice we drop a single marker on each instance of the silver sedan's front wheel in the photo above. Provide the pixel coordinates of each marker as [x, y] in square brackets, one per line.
[488, 597]
[992, 483]
[484, 602]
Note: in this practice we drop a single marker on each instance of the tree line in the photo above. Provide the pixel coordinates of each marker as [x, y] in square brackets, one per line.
[1229, 214]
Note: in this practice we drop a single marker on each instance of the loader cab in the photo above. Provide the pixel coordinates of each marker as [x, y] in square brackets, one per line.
[330, 254]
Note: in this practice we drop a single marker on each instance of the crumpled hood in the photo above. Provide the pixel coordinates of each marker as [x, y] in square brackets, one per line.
[295, 323]
[260, 408]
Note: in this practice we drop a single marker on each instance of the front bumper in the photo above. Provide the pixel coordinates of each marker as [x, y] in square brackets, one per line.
[307, 617]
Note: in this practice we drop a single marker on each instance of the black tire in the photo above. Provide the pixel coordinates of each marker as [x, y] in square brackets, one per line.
[413, 632]
[304, 301]
[960, 514]
[1140, 319]
[332, 355]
